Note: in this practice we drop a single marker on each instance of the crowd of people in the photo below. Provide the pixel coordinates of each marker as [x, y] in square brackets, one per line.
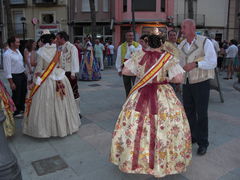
[43, 79]
[155, 131]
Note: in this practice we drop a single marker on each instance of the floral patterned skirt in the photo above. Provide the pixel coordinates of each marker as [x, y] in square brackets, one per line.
[157, 144]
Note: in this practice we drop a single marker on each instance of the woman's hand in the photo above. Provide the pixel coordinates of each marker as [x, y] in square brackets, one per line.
[178, 79]
[31, 86]
[37, 74]
[127, 72]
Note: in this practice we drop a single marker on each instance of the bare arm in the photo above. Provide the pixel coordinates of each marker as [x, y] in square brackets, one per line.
[33, 59]
[26, 53]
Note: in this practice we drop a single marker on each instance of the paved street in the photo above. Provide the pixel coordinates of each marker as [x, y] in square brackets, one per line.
[86, 152]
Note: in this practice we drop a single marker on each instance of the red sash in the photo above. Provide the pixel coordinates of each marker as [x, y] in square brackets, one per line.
[152, 72]
[145, 88]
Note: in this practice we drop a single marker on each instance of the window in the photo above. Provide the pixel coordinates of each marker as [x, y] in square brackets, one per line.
[191, 9]
[103, 32]
[44, 1]
[124, 5]
[86, 5]
[105, 5]
[17, 15]
[144, 5]
[48, 18]
[163, 5]
[14, 2]
[107, 30]
[78, 30]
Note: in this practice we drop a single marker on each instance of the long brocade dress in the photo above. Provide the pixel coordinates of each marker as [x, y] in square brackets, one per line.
[8, 107]
[89, 67]
[152, 134]
[50, 113]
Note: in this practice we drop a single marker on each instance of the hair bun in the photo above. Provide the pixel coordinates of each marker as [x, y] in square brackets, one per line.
[154, 41]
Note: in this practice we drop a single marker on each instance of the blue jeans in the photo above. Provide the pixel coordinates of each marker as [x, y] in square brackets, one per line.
[110, 59]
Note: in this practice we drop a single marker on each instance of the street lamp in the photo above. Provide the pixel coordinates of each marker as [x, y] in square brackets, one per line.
[9, 168]
[133, 20]
[23, 19]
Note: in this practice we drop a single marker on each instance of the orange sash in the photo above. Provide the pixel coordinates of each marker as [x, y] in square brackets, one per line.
[152, 72]
[44, 76]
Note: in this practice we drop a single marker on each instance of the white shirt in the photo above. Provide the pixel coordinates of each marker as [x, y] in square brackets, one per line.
[111, 48]
[215, 45]
[130, 50]
[232, 51]
[74, 59]
[12, 63]
[210, 58]
[98, 50]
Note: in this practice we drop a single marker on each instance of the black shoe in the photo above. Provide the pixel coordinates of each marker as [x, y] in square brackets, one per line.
[80, 116]
[194, 141]
[17, 114]
[202, 150]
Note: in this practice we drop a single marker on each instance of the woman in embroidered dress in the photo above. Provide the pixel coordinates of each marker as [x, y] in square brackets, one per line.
[89, 67]
[52, 110]
[152, 134]
[8, 107]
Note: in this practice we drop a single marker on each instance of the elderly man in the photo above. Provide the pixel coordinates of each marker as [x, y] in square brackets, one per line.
[198, 59]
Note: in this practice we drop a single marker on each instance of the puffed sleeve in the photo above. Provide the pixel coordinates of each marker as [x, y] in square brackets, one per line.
[132, 63]
[173, 68]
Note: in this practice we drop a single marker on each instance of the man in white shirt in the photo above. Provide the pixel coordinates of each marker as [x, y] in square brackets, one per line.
[14, 71]
[70, 63]
[231, 53]
[110, 53]
[124, 53]
[198, 58]
[98, 52]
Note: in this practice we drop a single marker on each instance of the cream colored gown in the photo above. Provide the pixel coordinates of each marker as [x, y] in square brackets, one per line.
[152, 134]
[50, 115]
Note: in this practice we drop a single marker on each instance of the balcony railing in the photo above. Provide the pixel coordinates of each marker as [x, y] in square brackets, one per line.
[18, 2]
[44, 2]
[198, 18]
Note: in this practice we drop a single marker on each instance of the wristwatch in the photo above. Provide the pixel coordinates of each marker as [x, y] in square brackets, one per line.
[196, 64]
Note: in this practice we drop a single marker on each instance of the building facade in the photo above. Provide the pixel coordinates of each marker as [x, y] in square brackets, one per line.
[1, 24]
[149, 15]
[80, 19]
[212, 17]
[234, 20]
[114, 17]
[31, 17]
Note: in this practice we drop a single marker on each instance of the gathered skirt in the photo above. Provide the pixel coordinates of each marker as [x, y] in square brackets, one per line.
[158, 144]
[50, 115]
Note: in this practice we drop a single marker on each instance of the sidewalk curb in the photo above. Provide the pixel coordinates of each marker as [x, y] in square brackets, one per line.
[236, 86]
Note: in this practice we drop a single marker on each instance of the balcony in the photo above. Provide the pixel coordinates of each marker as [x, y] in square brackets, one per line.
[198, 18]
[44, 2]
[18, 2]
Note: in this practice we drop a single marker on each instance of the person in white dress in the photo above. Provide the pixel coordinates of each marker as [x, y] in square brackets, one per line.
[52, 110]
